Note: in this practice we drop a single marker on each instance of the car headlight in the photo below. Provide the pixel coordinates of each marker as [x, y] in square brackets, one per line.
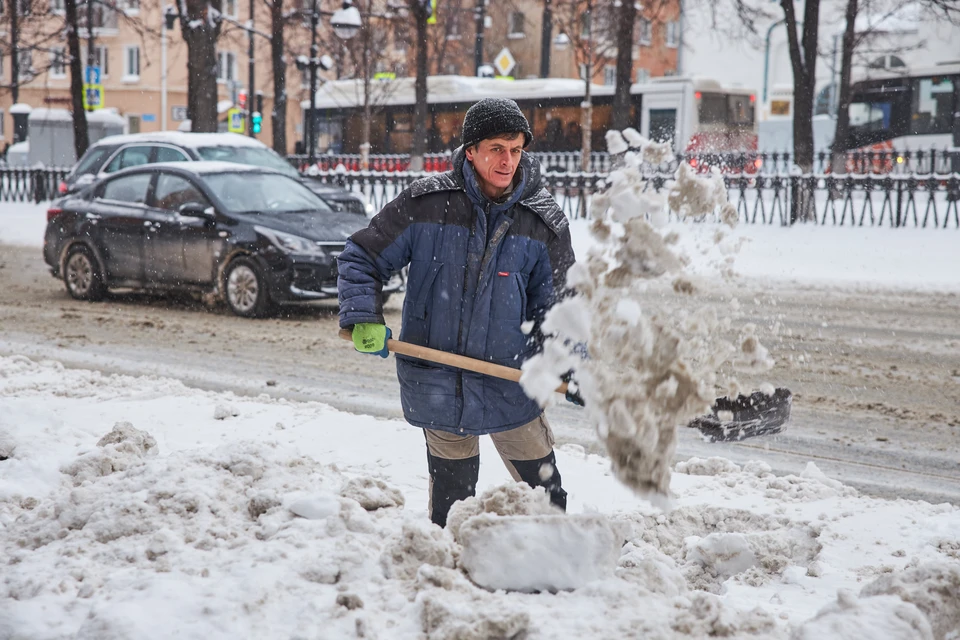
[289, 243]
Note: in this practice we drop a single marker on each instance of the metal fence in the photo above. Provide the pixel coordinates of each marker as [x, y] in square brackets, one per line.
[882, 162]
[891, 200]
[30, 185]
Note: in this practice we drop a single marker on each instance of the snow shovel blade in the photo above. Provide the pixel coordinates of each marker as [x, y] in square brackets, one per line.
[758, 414]
[754, 415]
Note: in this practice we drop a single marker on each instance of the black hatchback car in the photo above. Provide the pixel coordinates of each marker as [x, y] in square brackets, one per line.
[253, 237]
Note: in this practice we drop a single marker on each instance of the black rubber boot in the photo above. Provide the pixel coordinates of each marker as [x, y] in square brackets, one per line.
[529, 471]
[452, 480]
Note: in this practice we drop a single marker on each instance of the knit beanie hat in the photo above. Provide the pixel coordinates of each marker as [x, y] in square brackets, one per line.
[492, 117]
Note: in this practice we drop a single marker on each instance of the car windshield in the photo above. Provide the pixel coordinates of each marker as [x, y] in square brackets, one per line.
[253, 156]
[267, 193]
[91, 160]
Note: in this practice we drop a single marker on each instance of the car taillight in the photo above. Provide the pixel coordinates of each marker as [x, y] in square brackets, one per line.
[62, 187]
[53, 213]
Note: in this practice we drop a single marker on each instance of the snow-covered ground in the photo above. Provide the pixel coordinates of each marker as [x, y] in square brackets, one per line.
[141, 508]
[845, 256]
[185, 523]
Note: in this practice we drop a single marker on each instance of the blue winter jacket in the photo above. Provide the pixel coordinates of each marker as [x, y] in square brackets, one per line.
[478, 271]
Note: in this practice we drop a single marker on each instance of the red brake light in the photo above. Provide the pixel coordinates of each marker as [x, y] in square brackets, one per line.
[753, 98]
[758, 163]
[62, 187]
[698, 95]
[53, 213]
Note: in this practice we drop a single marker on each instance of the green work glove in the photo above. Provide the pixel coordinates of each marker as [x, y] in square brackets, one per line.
[371, 338]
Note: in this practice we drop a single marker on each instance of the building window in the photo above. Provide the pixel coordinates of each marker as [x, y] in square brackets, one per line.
[57, 66]
[131, 63]
[610, 75]
[645, 28]
[133, 6]
[516, 25]
[226, 66]
[304, 77]
[56, 6]
[643, 75]
[25, 64]
[103, 60]
[585, 26]
[673, 34]
[230, 6]
[25, 6]
[453, 26]
[583, 71]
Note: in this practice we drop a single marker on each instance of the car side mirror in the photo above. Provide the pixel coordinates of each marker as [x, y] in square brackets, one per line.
[197, 210]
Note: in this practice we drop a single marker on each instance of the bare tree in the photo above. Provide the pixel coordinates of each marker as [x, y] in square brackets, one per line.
[624, 29]
[200, 24]
[278, 63]
[81, 137]
[589, 25]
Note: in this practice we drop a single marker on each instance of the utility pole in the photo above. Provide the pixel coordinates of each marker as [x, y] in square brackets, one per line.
[91, 43]
[481, 18]
[546, 36]
[250, 63]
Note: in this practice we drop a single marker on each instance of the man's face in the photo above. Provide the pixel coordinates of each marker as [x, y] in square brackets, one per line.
[495, 162]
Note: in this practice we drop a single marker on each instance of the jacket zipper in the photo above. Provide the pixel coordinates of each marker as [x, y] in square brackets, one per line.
[473, 228]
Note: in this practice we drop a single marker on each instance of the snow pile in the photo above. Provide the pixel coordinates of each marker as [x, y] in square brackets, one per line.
[646, 373]
[176, 524]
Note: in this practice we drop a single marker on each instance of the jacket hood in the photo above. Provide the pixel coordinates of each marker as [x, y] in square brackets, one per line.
[534, 197]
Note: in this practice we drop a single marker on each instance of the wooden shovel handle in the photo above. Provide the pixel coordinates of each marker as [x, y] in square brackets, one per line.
[451, 360]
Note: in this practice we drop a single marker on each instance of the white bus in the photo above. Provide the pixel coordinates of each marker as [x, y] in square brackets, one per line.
[699, 115]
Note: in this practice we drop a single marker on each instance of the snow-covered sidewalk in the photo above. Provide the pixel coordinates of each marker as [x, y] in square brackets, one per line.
[213, 516]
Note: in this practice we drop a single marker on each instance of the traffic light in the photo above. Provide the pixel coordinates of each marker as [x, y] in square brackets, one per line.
[257, 122]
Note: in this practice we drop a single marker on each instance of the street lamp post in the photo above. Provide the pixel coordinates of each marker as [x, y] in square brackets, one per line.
[250, 64]
[346, 23]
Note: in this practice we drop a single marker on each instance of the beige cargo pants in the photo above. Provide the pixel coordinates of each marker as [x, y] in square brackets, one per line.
[454, 463]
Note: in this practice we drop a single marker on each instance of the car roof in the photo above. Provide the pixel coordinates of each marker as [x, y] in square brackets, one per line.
[200, 168]
[184, 139]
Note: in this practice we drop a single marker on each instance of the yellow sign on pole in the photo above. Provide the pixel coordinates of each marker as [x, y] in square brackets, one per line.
[433, 12]
[93, 97]
[236, 123]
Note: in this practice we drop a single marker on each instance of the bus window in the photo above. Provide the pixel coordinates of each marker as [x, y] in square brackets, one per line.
[931, 110]
[663, 124]
[713, 108]
[872, 120]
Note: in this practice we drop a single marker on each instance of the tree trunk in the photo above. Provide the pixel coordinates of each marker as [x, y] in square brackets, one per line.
[201, 39]
[804, 63]
[367, 33]
[626, 17]
[14, 51]
[81, 135]
[838, 152]
[419, 13]
[278, 117]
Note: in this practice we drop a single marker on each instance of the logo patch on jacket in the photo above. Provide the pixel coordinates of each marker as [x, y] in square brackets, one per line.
[503, 273]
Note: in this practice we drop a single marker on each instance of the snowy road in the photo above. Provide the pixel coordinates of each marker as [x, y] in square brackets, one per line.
[876, 374]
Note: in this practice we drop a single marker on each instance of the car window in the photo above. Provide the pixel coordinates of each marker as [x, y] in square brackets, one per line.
[169, 154]
[130, 157]
[92, 159]
[265, 193]
[129, 189]
[253, 156]
[173, 192]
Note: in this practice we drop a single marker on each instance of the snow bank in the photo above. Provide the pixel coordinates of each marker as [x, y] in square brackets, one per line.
[178, 524]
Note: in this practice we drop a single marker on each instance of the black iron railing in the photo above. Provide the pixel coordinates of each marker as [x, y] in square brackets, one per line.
[882, 162]
[890, 200]
[30, 185]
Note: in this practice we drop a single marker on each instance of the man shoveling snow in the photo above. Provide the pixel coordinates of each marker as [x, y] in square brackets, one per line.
[488, 250]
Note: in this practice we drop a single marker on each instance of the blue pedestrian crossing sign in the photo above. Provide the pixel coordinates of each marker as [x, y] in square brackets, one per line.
[91, 75]
[93, 98]
[236, 123]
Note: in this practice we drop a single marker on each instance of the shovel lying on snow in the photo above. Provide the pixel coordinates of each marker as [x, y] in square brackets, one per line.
[746, 416]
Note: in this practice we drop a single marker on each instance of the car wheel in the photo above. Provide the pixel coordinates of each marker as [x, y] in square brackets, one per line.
[82, 276]
[246, 289]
